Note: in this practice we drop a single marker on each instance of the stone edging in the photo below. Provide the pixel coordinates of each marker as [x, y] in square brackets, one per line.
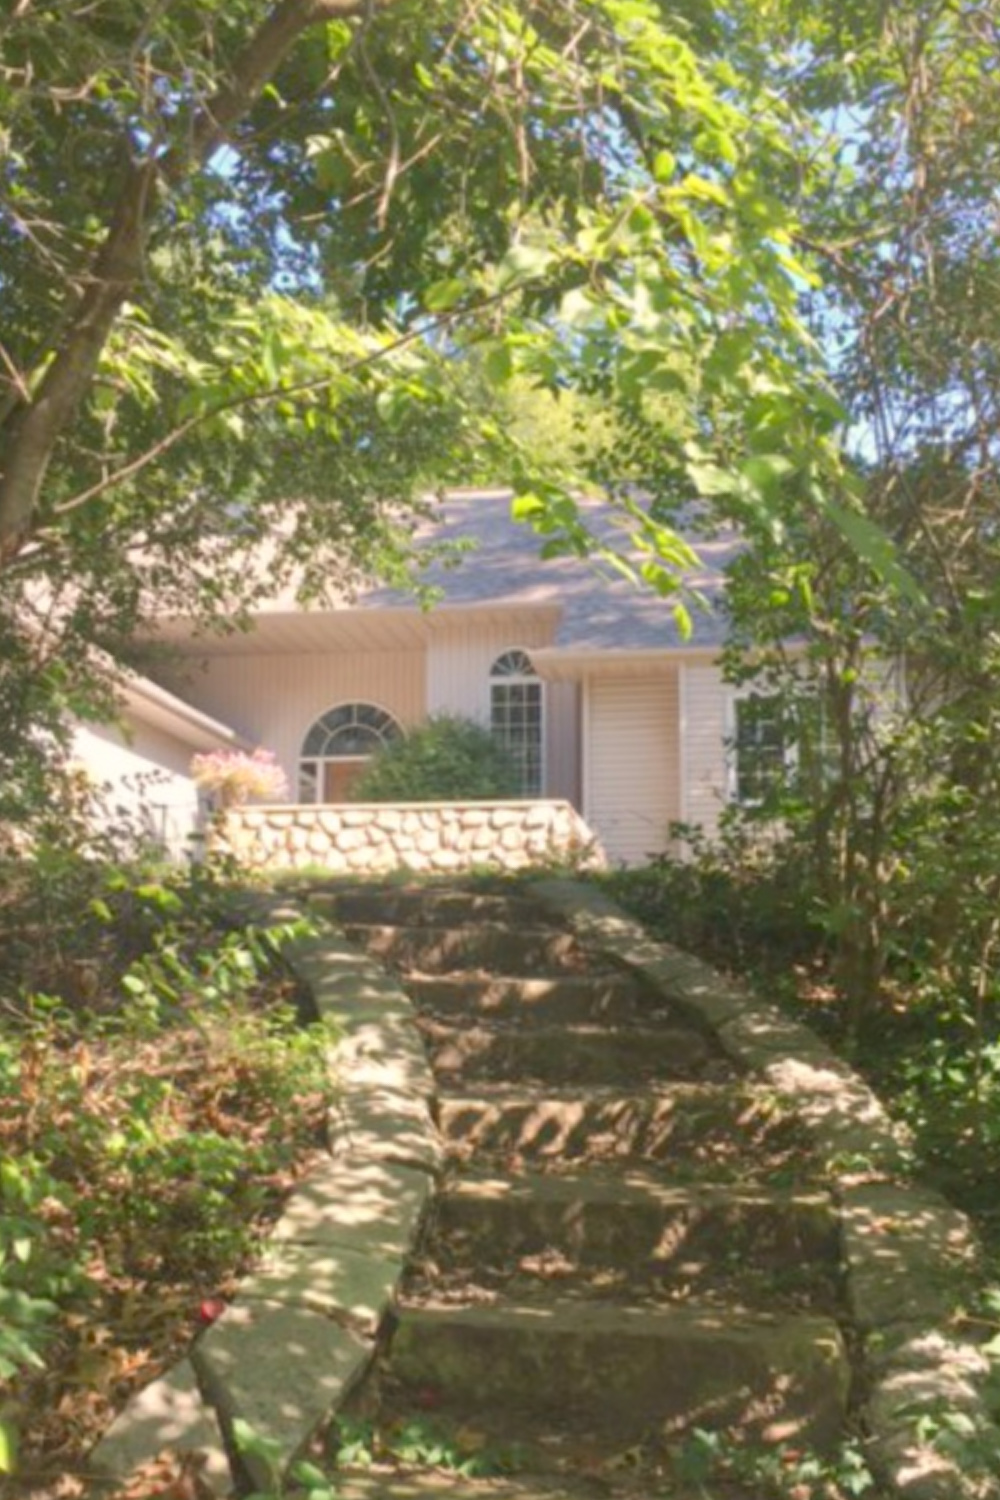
[910, 1257]
[301, 1332]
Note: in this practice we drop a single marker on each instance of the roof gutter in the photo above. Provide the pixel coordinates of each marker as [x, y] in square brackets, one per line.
[153, 705]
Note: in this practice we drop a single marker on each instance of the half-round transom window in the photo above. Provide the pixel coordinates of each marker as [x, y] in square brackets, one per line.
[337, 747]
[513, 664]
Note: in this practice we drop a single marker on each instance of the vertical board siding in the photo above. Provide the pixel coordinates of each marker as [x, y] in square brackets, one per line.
[706, 766]
[458, 682]
[562, 736]
[459, 662]
[633, 794]
[883, 686]
[274, 700]
[709, 726]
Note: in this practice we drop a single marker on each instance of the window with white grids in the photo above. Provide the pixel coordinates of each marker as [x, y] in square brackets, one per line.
[764, 750]
[516, 717]
[338, 746]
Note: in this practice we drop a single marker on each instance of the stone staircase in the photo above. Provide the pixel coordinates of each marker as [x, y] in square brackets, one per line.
[629, 1243]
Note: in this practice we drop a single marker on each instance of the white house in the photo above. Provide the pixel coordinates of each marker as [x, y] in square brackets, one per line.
[586, 679]
[144, 761]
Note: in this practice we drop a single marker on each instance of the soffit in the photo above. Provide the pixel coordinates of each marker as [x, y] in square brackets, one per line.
[355, 630]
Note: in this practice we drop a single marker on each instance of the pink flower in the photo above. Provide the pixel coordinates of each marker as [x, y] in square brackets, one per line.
[236, 776]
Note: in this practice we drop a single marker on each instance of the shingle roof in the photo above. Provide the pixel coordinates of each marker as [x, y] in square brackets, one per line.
[601, 611]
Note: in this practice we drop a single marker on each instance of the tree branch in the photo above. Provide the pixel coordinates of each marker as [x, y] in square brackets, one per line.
[34, 428]
[284, 393]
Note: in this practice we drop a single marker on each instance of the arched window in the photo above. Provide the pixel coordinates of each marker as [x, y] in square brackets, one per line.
[516, 716]
[338, 746]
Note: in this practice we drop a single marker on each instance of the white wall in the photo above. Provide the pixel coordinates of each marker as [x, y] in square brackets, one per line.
[458, 682]
[459, 661]
[274, 700]
[883, 682]
[563, 721]
[632, 763]
[146, 780]
[708, 725]
[704, 701]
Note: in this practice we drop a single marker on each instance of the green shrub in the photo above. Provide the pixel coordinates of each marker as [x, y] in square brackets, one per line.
[741, 901]
[446, 759]
[156, 1090]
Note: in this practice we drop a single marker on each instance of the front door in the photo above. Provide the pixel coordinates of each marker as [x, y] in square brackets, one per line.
[338, 776]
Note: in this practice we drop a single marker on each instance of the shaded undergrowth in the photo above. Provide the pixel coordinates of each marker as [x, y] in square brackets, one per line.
[931, 1053]
[158, 1095]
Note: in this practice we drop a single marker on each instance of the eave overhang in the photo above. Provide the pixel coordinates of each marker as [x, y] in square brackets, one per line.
[146, 702]
[386, 628]
[574, 664]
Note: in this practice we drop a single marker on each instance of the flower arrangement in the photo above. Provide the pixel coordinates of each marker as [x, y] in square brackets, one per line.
[236, 776]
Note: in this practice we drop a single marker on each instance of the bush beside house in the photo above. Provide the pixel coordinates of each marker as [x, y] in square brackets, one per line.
[446, 759]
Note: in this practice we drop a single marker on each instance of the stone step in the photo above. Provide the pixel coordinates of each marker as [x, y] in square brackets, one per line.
[572, 1054]
[408, 1484]
[599, 1366]
[434, 950]
[635, 1222]
[425, 906]
[610, 997]
[702, 1125]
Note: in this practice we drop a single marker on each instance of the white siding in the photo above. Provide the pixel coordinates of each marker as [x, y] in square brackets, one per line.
[884, 684]
[562, 734]
[273, 700]
[459, 662]
[458, 682]
[143, 777]
[631, 769]
[706, 726]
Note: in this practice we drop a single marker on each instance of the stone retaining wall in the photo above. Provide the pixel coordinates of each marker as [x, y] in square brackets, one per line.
[430, 837]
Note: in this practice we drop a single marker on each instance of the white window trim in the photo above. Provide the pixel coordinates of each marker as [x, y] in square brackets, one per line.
[790, 749]
[534, 680]
[320, 761]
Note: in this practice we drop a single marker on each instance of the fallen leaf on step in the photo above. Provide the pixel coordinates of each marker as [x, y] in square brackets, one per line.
[628, 1458]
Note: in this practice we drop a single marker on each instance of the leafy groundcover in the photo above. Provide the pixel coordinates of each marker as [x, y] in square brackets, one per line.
[160, 1090]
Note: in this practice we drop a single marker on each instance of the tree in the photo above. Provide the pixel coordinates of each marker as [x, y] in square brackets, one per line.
[899, 837]
[445, 759]
[233, 232]
[144, 102]
[247, 252]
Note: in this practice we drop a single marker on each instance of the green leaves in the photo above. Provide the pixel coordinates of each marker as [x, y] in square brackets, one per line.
[8, 1447]
[25, 1330]
[664, 166]
[418, 224]
[142, 1149]
[875, 549]
[448, 758]
[766, 473]
[498, 364]
[442, 296]
[525, 262]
